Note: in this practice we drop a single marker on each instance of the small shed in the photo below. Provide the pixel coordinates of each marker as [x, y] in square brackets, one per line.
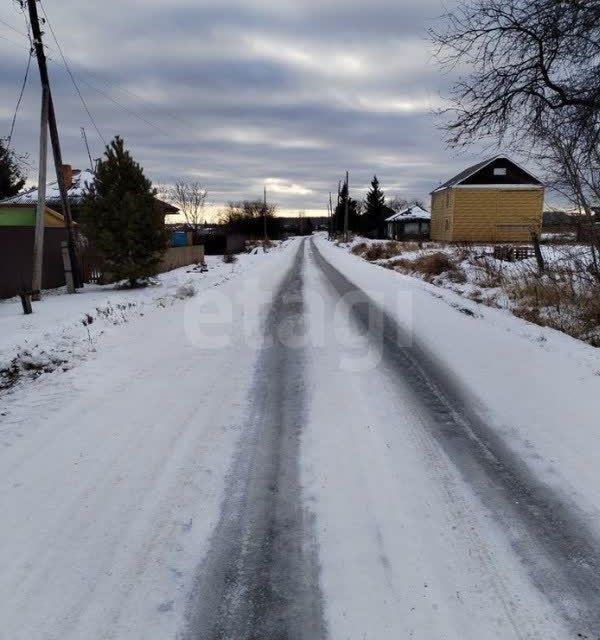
[17, 222]
[408, 224]
[493, 201]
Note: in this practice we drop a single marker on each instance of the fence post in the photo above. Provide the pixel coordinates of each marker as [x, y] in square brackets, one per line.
[66, 255]
[26, 302]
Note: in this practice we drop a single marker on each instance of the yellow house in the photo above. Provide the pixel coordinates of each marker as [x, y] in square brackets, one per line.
[493, 201]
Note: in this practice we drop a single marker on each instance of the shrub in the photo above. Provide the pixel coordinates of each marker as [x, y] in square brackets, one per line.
[229, 258]
[375, 252]
[186, 290]
[359, 248]
[433, 264]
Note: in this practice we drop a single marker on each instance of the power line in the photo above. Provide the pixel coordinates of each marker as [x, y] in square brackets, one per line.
[14, 118]
[10, 26]
[62, 55]
[130, 111]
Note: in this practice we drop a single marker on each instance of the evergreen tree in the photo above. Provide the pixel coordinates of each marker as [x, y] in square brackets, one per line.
[339, 213]
[12, 178]
[376, 211]
[121, 218]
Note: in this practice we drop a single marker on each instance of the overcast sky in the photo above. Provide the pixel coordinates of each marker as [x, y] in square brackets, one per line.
[236, 94]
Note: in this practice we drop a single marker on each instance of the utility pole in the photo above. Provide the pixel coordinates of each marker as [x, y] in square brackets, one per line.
[346, 208]
[66, 209]
[87, 146]
[265, 218]
[330, 213]
[40, 213]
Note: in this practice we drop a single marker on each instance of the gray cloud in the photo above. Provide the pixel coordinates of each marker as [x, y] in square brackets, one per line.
[242, 93]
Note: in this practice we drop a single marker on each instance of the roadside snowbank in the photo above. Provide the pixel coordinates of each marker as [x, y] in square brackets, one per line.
[564, 297]
[539, 388]
[65, 329]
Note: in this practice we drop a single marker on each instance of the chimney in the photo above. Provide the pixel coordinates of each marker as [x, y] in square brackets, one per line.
[67, 174]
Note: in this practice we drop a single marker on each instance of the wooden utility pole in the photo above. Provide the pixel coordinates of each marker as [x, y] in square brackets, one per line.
[40, 213]
[54, 139]
[346, 208]
[330, 215]
[87, 146]
[265, 218]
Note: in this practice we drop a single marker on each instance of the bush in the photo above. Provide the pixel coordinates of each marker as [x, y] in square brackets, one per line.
[229, 258]
[186, 290]
[433, 264]
[359, 249]
[375, 252]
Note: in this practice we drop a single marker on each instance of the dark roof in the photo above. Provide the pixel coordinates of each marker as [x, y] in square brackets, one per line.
[459, 177]
[470, 171]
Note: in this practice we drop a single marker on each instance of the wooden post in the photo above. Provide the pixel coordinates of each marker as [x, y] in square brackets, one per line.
[26, 303]
[38, 240]
[66, 255]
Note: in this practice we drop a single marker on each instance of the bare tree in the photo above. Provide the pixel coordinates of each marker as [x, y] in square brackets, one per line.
[398, 203]
[190, 198]
[529, 60]
[244, 210]
[572, 167]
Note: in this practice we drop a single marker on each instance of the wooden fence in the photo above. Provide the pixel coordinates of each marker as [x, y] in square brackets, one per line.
[94, 270]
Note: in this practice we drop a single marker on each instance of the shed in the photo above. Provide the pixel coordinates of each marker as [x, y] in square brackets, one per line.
[410, 223]
[493, 201]
[17, 222]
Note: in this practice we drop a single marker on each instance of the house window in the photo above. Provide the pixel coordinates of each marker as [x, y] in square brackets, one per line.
[447, 224]
[447, 197]
[500, 171]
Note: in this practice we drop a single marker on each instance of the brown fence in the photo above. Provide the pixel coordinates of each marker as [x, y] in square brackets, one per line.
[174, 257]
[16, 259]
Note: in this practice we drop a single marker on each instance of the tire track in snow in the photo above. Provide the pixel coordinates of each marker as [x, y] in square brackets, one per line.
[548, 534]
[260, 578]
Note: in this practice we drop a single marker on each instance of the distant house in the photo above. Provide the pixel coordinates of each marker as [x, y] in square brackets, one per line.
[493, 201]
[76, 182]
[410, 223]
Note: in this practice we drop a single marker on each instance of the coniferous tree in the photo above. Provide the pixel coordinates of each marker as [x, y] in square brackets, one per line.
[376, 211]
[121, 218]
[12, 178]
[339, 213]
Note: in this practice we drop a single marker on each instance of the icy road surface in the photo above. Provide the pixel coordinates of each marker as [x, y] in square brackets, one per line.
[278, 459]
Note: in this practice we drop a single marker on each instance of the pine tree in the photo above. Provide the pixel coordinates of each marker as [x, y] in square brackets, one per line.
[375, 209]
[121, 218]
[339, 213]
[12, 178]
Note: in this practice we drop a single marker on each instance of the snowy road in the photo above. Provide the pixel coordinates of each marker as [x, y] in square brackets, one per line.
[279, 459]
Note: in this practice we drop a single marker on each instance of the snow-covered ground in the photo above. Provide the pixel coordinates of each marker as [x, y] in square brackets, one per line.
[538, 387]
[563, 298]
[64, 329]
[249, 462]
[112, 472]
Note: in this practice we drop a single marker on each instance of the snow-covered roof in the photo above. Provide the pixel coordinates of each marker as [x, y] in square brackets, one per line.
[81, 178]
[412, 213]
